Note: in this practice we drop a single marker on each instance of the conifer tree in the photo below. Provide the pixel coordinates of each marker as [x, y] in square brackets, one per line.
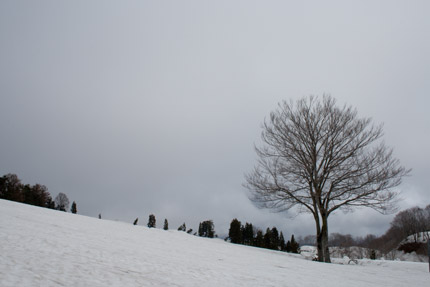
[206, 229]
[151, 221]
[294, 245]
[183, 227]
[259, 239]
[235, 231]
[288, 246]
[268, 239]
[274, 239]
[134, 223]
[73, 209]
[248, 234]
[166, 225]
[281, 242]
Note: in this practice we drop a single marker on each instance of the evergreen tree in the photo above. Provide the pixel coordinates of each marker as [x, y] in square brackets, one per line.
[183, 227]
[151, 221]
[281, 242]
[74, 210]
[166, 225]
[235, 232]
[294, 245]
[134, 223]
[190, 230]
[288, 246]
[248, 234]
[201, 233]
[268, 239]
[259, 239]
[206, 229]
[274, 239]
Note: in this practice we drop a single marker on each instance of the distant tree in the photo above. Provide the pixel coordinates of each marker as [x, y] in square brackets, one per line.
[268, 239]
[11, 187]
[281, 242]
[259, 239]
[135, 221]
[100, 216]
[190, 231]
[294, 245]
[319, 158]
[340, 240]
[73, 209]
[166, 225]
[61, 202]
[36, 195]
[206, 229]
[151, 221]
[235, 231]
[183, 227]
[288, 246]
[50, 203]
[248, 234]
[274, 239]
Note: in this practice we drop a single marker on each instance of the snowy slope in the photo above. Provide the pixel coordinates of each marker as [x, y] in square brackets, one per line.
[42, 247]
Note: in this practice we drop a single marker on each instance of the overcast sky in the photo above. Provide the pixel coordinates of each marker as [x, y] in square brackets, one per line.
[139, 107]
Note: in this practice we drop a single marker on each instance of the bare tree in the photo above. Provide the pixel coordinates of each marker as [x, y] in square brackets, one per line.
[61, 202]
[319, 158]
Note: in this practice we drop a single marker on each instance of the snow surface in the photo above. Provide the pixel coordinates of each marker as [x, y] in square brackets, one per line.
[43, 247]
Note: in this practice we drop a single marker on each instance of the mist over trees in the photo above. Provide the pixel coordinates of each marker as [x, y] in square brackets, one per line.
[318, 158]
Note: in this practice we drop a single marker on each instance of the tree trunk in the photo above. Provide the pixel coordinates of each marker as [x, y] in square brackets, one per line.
[322, 241]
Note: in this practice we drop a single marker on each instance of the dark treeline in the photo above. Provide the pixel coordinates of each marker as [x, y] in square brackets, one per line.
[271, 239]
[11, 188]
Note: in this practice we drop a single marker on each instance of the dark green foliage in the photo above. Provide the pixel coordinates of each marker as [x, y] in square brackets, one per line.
[268, 239]
[288, 246]
[281, 242]
[190, 230]
[235, 231]
[206, 229]
[183, 227]
[373, 254]
[294, 246]
[166, 225]
[151, 221]
[259, 239]
[274, 239]
[248, 234]
[135, 221]
[73, 209]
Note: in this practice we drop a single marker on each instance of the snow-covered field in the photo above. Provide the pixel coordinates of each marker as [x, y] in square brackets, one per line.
[42, 247]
